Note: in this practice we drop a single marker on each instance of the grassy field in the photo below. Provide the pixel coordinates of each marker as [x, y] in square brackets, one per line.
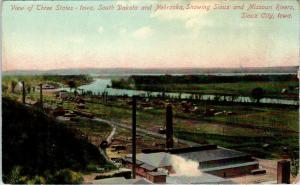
[95, 131]
[268, 147]
[285, 135]
[252, 126]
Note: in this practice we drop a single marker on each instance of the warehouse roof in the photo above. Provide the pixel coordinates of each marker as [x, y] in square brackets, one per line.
[129, 159]
[160, 159]
[212, 154]
[148, 167]
[163, 159]
[230, 166]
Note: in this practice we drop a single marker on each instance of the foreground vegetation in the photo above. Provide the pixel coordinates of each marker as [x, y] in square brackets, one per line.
[37, 149]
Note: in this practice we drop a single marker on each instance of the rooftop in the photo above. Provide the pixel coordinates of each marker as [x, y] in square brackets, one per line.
[148, 167]
[129, 159]
[160, 159]
[229, 166]
[212, 154]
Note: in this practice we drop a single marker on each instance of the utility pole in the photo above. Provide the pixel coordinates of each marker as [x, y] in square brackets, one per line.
[41, 95]
[169, 127]
[283, 172]
[133, 139]
[23, 92]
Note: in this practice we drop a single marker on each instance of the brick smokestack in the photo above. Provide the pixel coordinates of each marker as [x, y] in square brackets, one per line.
[23, 92]
[41, 95]
[133, 139]
[169, 127]
[283, 172]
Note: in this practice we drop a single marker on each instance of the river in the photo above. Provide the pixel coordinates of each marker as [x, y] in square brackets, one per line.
[99, 85]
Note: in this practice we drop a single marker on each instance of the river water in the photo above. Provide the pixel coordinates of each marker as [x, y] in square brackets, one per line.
[99, 85]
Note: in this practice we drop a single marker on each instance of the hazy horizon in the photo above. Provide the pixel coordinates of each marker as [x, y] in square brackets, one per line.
[171, 68]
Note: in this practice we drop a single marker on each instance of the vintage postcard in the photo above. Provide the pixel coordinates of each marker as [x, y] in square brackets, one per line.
[150, 92]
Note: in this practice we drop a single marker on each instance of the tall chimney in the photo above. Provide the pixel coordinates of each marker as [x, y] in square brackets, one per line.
[23, 92]
[169, 127]
[133, 139]
[41, 95]
[283, 172]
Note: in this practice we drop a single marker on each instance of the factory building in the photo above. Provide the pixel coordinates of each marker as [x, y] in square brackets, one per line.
[146, 163]
[214, 160]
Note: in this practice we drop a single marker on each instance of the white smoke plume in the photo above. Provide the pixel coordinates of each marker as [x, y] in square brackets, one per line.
[185, 167]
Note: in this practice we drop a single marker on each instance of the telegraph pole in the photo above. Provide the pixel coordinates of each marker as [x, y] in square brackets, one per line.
[169, 127]
[133, 139]
[41, 95]
[23, 92]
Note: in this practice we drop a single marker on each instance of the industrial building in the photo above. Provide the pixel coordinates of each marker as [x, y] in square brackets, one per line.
[213, 164]
[219, 161]
[153, 162]
[214, 160]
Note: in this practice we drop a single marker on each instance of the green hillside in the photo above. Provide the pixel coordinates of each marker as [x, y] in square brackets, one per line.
[36, 148]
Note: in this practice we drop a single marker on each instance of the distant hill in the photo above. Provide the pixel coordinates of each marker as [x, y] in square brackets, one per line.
[39, 144]
[153, 71]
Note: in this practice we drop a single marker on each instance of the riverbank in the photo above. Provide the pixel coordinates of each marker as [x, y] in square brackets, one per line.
[100, 86]
[274, 86]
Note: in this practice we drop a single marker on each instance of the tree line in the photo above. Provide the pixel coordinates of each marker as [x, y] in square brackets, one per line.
[190, 79]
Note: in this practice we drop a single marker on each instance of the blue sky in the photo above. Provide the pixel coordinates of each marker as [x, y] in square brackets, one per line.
[140, 39]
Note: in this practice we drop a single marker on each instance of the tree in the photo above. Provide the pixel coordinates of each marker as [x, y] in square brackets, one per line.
[28, 87]
[66, 176]
[14, 175]
[72, 84]
[257, 94]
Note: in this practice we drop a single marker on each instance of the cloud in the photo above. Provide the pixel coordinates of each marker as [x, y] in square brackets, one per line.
[143, 32]
[100, 29]
[194, 17]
